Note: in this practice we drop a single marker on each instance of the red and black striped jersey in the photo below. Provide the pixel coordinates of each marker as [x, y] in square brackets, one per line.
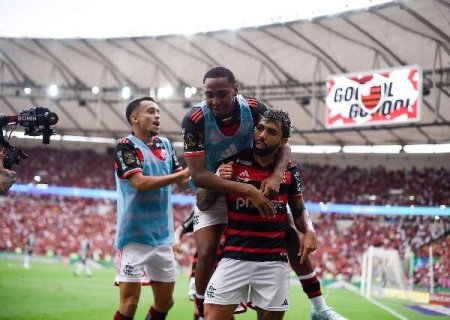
[193, 125]
[250, 236]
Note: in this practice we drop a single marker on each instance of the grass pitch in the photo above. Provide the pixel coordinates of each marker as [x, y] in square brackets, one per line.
[51, 291]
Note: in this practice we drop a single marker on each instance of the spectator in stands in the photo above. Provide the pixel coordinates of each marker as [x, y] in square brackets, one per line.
[146, 166]
[7, 177]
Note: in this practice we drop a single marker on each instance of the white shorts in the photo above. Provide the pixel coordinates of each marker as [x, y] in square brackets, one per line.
[241, 308]
[138, 262]
[263, 284]
[217, 214]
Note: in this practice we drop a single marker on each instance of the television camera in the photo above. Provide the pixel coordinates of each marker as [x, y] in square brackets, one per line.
[36, 121]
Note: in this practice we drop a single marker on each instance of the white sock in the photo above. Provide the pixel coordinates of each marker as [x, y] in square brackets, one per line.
[307, 276]
[199, 296]
[26, 262]
[318, 303]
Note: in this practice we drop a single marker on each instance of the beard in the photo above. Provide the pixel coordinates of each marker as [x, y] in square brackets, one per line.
[264, 151]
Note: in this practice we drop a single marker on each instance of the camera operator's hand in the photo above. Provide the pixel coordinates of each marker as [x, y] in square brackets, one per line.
[7, 177]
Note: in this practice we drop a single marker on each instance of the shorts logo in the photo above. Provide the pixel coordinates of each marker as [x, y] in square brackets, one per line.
[195, 219]
[210, 292]
[285, 303]
[128, 270]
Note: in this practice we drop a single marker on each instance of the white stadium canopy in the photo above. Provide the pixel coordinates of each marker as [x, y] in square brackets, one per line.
[284, 64]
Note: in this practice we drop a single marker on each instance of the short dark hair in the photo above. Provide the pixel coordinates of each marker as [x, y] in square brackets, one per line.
[133, 104]
[220, 72]
[278, 114]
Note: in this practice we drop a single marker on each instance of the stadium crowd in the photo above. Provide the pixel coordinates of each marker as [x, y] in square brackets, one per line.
[60, 223]
[378, 185]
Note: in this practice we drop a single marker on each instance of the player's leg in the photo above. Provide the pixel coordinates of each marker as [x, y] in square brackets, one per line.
[81, 265]
[208, 229]
[129, 299]
[269, 315]
[130, 270]
[219, 312]
[227, 288]
[26, 259]
[269, 293]
[191, 289]
[207, 241]
[307, 276]
[163, 300]
[160, 269]
[88, 268]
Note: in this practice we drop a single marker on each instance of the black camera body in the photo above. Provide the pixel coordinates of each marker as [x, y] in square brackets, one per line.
[36, 121]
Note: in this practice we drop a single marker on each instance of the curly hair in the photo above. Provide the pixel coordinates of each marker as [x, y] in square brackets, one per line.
[281, 115]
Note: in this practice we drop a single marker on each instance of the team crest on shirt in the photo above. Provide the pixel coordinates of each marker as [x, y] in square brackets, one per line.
[243, 176]
[128, 158]
[191, 141]
[157, 148]
[160, 154]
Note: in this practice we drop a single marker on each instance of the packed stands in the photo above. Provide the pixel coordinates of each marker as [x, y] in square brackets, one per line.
[60, 223]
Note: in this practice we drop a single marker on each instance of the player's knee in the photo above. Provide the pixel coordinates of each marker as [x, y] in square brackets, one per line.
[129, 306]
[207, 251]
[166, 305]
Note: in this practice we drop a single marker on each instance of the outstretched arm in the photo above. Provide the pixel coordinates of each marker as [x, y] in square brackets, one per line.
[129, 165]
[303, 224]
[146, 183]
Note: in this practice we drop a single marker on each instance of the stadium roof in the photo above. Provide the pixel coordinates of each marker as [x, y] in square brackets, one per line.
[284, 64]
[116, 18]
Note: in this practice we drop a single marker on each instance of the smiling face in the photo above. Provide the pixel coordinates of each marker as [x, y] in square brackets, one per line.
[145, 119]
[268, 137]
[220, 96]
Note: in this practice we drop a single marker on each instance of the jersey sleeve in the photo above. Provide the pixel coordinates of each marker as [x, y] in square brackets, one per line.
[257, 108]
[176, 166]
[193, 132]
[296, 187]
[127, 158]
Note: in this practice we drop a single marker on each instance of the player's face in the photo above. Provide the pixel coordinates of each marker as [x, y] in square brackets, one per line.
[147, 118]
[268, 137]
[220, 95]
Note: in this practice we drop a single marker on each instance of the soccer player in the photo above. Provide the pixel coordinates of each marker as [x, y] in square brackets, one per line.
[214, 130]
[29, 246]
[298, 255]
[254, 260]
[84, 264]
[253, 167]
[146, 166]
